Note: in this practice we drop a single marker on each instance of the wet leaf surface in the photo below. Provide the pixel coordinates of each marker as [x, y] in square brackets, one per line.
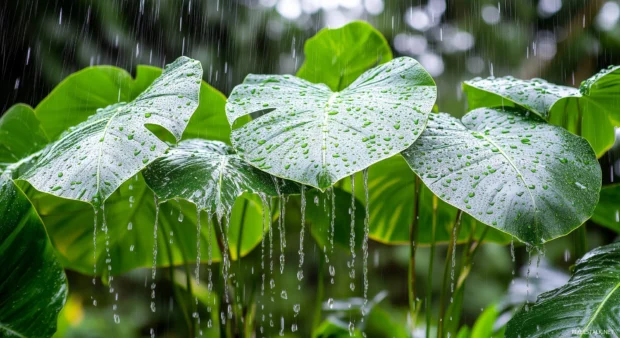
[515, 173]
[91, 160]
[590, 111]
[587, 306]
[210, 175]
[306, 133]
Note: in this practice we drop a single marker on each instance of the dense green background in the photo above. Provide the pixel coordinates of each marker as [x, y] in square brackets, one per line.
[42, 42]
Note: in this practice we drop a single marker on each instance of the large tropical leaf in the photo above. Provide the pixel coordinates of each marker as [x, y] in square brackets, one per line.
[391, 189]
[80, 95]
[509, 170]
[607, 212]
[33, 285]
[336, 57]
[590, 111]
[587, 306]
[20, 134]
[210, 175]
[309, 134]
[91, 160]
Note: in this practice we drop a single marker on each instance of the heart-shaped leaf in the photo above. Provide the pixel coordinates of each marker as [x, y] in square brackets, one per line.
[589, 111]
[34, 286]
[20, 134]
[336, 57]
[516, 173]
[391, 189]
[586, 306]
[307, 133]
[91, 160]
[210, 175]
[80, 95]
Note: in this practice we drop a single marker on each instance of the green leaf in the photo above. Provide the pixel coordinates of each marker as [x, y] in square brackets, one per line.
[586, 306]
[336, 57]
[483, 327]
[209, 121]
[333, 327]
[34, 286]
[309, 134]
[20, 134]
[80, 95]
[607, 212]
[210, 175]
[91, 160]
[391, 188]
[513, 172]
[589, 111]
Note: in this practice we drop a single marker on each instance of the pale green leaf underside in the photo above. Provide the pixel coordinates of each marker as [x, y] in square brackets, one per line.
[587, 306]
[309, 134]
[208, 174]
[590, 111]
[94, 158]
[516, 173]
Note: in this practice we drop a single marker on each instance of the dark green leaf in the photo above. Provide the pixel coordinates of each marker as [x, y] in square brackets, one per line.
[208, 174]
[33, 286]
[336, 57]
[587, 306]
[91, 160]
[309, 134]
[589, 111]
[515, 173]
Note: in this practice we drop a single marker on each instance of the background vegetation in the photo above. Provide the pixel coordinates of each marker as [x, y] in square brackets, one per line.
[563, 41]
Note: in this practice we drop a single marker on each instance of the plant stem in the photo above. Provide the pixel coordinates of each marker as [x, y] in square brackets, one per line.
[429, 282]
[413, 238]
[175, 289]
[468, 256]
[446, 273]
[239, 272]
[580, 241]
[318, 305]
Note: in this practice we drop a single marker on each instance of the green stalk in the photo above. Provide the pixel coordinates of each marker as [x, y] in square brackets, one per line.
[429, 282]
[318, 305]
[413, 238]
[446, 273]
[175, 288]
[239, 272]
[469, 253]
[580, 241]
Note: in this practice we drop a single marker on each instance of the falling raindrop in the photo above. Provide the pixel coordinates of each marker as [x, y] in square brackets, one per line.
[154, 266]
[300, 272]
[365, 241]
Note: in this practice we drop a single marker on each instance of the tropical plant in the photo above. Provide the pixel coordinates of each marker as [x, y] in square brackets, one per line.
[163, 164]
